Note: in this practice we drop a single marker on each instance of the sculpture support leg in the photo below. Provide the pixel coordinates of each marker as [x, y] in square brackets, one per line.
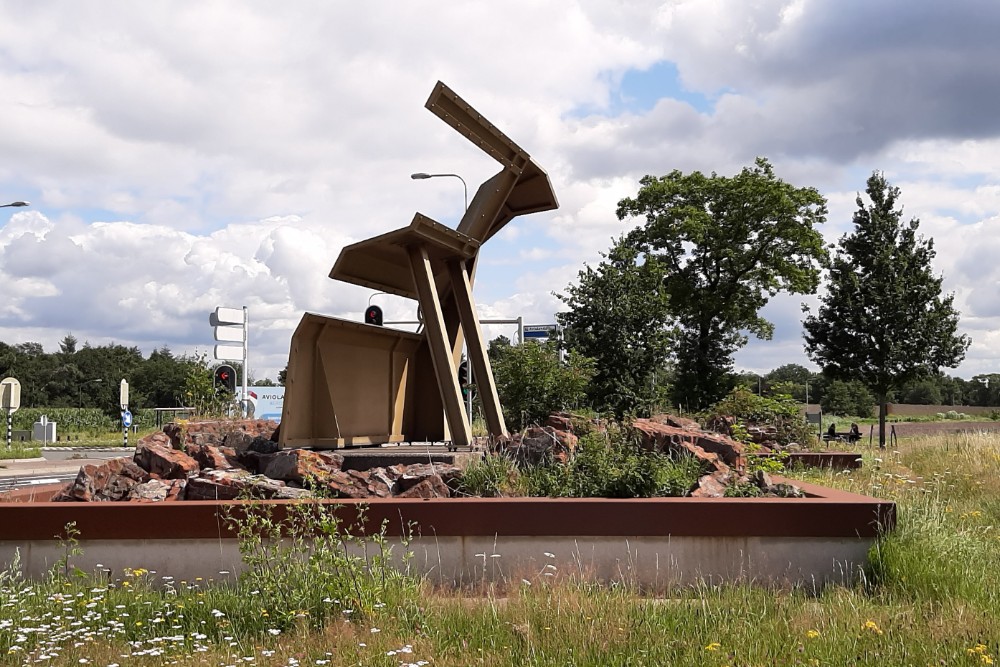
[477, 350]
[437, 343]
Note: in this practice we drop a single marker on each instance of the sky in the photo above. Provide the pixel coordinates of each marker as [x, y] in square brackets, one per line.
[184, 156]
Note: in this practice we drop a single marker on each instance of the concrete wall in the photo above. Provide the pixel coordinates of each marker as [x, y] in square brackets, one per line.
[650, 562]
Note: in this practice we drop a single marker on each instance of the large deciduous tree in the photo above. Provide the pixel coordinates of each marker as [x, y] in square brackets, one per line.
[618, 317]
[724, 246]
[883, 319]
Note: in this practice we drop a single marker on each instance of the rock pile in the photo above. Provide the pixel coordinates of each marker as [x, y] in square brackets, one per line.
[722, 456]
[214, 461]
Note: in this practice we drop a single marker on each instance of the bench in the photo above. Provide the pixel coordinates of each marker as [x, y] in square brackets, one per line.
[841, 437]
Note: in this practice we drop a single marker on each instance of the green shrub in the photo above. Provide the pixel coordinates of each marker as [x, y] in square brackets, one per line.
[492, 476]
[614, 466]
[781, 411]
[532, 383]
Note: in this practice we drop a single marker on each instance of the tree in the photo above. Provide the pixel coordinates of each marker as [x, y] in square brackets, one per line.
[847, 399]
[883, 320]
[532, 383]
[724, 246]
[618, 317]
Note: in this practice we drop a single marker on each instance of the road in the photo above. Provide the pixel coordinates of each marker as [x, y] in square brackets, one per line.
[56, 465]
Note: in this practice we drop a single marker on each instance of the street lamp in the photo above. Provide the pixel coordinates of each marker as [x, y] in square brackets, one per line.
[84, 385]
[16, 203]
[421, 176]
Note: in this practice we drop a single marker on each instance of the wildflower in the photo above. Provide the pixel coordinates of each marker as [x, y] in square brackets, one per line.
[812, 634]
[872, 627]
[714, 646]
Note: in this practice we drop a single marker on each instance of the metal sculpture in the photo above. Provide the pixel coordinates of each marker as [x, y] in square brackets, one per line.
[350, 383]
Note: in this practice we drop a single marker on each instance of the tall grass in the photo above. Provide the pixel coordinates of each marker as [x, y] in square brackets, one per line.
[930, 597]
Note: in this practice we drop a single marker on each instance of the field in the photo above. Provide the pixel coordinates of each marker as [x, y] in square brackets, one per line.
[930, 597]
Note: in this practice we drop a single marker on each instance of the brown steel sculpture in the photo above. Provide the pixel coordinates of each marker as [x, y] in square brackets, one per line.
[350, 383]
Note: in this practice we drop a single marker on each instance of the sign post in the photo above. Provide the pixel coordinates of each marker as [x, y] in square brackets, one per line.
[232, 326]
[10, 399]
[126, 415]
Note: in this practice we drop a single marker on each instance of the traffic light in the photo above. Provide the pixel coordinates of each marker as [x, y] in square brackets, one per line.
[463, 377]
[373, 316]
[225, 375]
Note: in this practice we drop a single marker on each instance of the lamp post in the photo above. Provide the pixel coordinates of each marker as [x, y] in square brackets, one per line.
[422, 176]
[84, 385]
[16, 204]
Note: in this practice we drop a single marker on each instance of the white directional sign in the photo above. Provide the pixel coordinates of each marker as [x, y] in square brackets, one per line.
[229, 352]
[10, 394]
[123, 394]
[229, 334]
[223, 316]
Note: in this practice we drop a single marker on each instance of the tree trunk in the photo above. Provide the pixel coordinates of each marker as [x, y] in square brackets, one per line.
[882, 409]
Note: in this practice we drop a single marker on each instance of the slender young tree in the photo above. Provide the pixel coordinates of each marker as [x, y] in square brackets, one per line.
[883, 320]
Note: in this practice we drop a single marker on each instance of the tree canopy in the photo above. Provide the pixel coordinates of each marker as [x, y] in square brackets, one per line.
[723, 246]
[619, 318]
[883, 320]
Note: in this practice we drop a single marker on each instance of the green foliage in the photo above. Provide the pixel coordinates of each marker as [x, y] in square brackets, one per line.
[492, 476]
[723, 246]
[77, 420]
[614, 466]
[532, 383]
[883, 320]
[308, 565]
[780, 411]
[848, 398]
[619, 318]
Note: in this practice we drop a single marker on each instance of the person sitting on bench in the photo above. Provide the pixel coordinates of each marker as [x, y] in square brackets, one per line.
[855, 434]
[831, 432]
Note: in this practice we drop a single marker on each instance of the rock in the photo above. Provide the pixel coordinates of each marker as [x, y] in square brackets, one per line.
[429, 487]
[225, 432]
[560, 422]
[412, 475]
[343, 485]
[110, 481]
[264, 445]
[302, 466]
[158, 490]
[676, 422]
[164, 462]
[662, 437]
[538, 444]
[215, 458]
[232, 484]
[712, 485]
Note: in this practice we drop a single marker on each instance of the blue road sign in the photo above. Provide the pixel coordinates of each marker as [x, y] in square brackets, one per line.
[126, 419]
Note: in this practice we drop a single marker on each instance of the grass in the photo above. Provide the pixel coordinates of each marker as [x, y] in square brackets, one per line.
[18, 450]
[930, 597]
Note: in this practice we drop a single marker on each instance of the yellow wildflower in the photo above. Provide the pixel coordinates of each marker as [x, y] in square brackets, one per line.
[714, 646]
[871, 626]
[812, 634]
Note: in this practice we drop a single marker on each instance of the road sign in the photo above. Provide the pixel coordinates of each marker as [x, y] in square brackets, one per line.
[123, 394]
[228, 353]
[126, 419]
[546, 328]
[10, 394]
[229, 334]
[226, 316]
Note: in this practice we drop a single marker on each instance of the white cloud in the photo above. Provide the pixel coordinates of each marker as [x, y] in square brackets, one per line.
[221, 153]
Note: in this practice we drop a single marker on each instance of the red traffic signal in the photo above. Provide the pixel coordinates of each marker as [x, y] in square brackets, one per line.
[373, 316]
[226, 376]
